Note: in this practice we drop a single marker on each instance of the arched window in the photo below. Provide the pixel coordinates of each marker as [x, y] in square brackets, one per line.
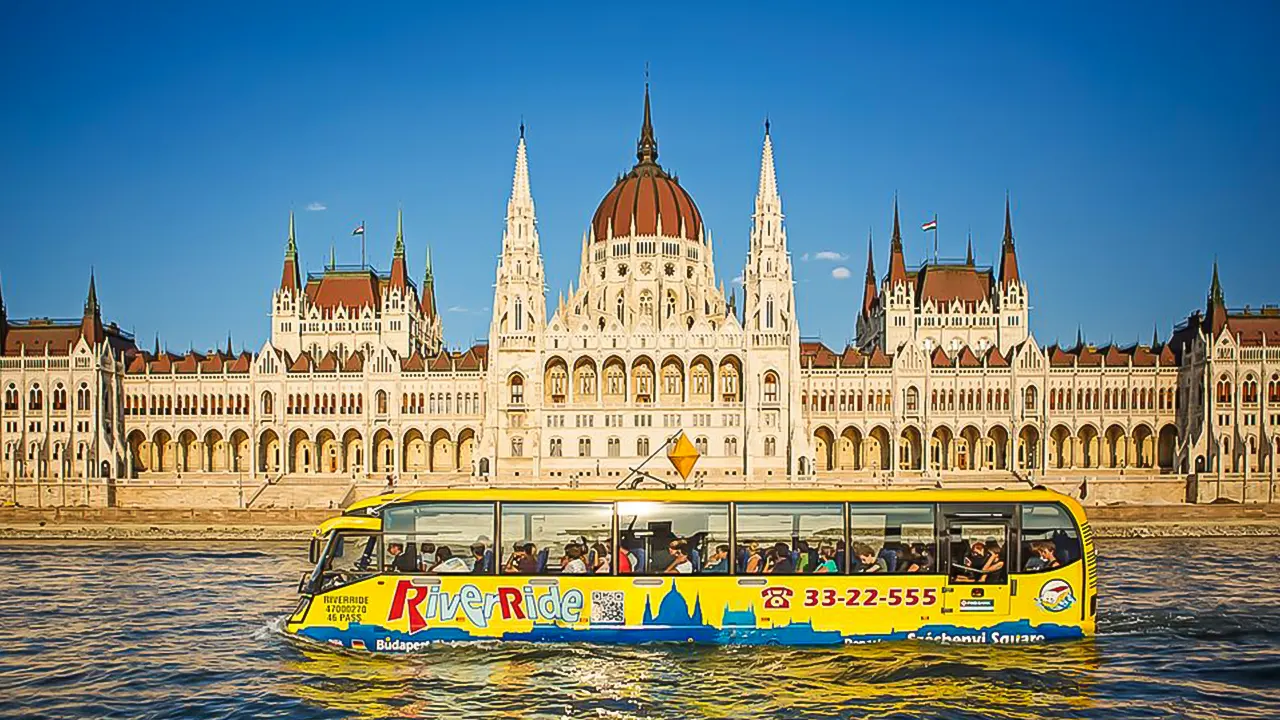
[731, 446]
[1029, 399]
[620, 309]
[382, 402]
[517, 389]
[557, 447]
[59, 397]
[770, 387]
[701, 444]
[11, 397]
[35, 399]
[646, 304]
[768, 313]
[615, 447]
[519, 319]
[913, 399]
[770, 447]
[584, 447]
[671, 303]
[642, 447]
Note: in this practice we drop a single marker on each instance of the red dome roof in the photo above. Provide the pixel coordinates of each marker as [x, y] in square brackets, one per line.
[648, 197]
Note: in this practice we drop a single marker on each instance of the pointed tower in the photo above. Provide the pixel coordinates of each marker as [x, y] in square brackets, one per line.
[1216, 305]
[772, 335]
[399, 277]
[291, 279]
[432, 323]
[968, 253]
[869, 287]
[91, 323]
[895, 319]
[1010, 294]
[515, 336]
[288, 302]
[897, 263]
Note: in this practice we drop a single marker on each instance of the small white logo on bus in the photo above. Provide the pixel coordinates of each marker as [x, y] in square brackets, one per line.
[1055, 596]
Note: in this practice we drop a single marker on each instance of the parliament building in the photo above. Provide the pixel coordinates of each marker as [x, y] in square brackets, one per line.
[946, 380]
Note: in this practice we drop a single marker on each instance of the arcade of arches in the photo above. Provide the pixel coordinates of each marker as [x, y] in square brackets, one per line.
[326, 452]
[996, 448]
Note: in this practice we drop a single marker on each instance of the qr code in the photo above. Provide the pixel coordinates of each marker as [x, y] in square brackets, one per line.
[607, 606]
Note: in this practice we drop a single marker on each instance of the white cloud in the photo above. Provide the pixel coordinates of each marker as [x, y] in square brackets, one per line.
[804, 257]
[841, 273]
[828, 255]
[317, 207]
[458, 309]
[738, 280]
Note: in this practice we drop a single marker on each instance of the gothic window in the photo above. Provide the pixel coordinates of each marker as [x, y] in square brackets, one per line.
[770, 447]
[519, 315]
[35, 398]
[557, 447]
[701, 380]
[382, 402]
[731, 446]
[517, 389]
[615, 447]
[701, 444]
[913, 399]
[11, 397]
[671, 380]
[588, 382]
[584, 447]
[768, 313]
[614, 378]
[671, 303]
[1029, 399]
[642, 447]
[59, 397]
[646, 304]
[770, 387]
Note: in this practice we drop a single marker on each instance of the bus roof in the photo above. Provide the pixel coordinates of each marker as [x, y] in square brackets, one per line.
[560, 495]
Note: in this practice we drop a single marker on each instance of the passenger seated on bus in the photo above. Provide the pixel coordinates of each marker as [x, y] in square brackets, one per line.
[972, 559]
[718, 563]
[426, 556]
[780, 562]
[868, 562]
[890, 557]
[573, 564]
[402, 560]
[826, 560]
[1042, 557]
[993, 563]
[916, 558]
[512, 565]
[446, 563]
[477, 558]
[603, 564]
[801, 557]
[680, 563]
[755, 559]
[628, 562]
[841, 553]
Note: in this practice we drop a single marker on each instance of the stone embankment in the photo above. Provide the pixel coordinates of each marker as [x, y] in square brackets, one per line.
[60, 524]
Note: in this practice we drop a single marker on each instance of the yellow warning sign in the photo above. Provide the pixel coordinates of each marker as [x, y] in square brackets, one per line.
[683, 456]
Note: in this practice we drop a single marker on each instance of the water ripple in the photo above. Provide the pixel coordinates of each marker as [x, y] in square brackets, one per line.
[1189, 628]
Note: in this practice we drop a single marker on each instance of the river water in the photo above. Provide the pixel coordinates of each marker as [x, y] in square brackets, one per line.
[1188, 628]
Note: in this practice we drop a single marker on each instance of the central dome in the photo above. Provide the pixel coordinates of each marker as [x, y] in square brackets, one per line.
[647, 197]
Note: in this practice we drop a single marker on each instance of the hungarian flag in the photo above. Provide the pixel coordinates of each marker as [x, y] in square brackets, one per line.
[359, 230]
[931, 225]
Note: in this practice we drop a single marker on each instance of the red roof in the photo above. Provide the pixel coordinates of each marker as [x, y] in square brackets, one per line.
[940, 359]
[879, 359]
[352, 290]
[995, 359]
[413, 363]
[302, 364]
[328, 363]
[851, 357]
[945, 283]
[1253, 328]
[966, 358]
[241, 363]
[354, 363]
[654, 201]
[817, 355]
[189, 363]
[474, 358]
[441, 363]
[36, 337]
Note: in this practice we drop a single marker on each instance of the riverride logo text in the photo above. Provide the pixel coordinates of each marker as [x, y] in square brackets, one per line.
[421, 604]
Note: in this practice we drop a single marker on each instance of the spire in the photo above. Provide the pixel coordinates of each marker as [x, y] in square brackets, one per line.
[522, 221]
[897, 263]
[290, 278]
[399, 276]
[1155, 335]
[1079, 337]
[768, 191]
[428, 299]
[1216, 312]
[1008, 256]
[155, 349]
[333, 256]
[647, 147]
[968, 255]
[91, 323]
[229, 352]
[869, 290]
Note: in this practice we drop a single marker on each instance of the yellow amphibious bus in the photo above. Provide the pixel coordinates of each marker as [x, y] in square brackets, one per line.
[793, 567]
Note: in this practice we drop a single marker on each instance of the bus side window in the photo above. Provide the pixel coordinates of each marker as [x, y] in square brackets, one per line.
[438, 538]
[557, 539]
[892, 538]
[789, 538]
[659, 538]
[1049, 539]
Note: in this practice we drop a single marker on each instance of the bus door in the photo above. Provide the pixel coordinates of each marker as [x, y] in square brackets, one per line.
[975, 551]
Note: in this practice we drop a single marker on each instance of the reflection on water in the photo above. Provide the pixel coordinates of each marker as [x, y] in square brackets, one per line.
[188, 630]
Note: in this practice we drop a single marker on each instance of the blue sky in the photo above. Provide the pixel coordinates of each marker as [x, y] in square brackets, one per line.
[165, 143]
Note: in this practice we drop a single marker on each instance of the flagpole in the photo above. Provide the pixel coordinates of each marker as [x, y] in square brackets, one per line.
[362, 234]
[935, 238]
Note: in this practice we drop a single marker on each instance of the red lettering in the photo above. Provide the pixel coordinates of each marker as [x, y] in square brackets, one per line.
[401, 603]
[510, 600]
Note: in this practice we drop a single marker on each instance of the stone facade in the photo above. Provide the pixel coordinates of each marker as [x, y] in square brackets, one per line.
[945, 382]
